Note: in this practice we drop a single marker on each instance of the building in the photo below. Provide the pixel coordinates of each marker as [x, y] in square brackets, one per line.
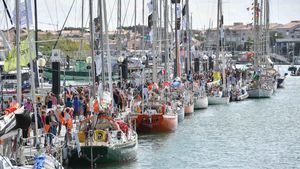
[288, 40]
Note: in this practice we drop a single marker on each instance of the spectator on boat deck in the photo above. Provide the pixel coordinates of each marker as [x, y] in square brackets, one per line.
[53, 99]
[28, 105]
[129, 96]
[54, 123]
[14, 99]
[69, 102]
[39, 122]
[145, 93]
[49, 101]
[39, 102]
[6, 105]
[76, 106]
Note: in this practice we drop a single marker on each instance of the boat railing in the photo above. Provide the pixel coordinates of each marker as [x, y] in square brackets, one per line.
[54, 149]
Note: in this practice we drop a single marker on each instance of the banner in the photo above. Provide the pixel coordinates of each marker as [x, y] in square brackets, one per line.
[98, 63]
[23, 13]
[10, 62]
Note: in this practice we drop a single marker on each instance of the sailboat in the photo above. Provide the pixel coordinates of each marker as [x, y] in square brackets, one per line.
[219, 92]
[200, 99]
[101, 138]
[156, 115]
[262, 85]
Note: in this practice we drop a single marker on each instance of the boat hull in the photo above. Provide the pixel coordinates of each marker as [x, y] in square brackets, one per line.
[242, 97]
[180, 113]
[200, 102]
[218, 100]
[156, 123]
[105, 154]
[260, 93]
[189, 109]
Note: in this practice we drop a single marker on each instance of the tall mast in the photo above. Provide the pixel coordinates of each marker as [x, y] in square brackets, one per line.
[101, 42]
[82, 30]
[188, 29]
[143, 30]
[218, 38]
[267, 22]
[119, 25]
[255, 34]
[159, 31]
[92, 47]
[178, 68]
[107, 50]
[166, 20]
[36, 44]
[135, 24]
[221, 22]
[19, 80]
[261, 27]
[32, 77]
[154, 43]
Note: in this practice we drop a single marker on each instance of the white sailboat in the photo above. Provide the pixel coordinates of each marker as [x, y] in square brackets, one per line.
[262, 85]
[200, 100]
[222, 96]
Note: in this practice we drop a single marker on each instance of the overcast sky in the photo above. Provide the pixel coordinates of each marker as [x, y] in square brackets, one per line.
[52, 13]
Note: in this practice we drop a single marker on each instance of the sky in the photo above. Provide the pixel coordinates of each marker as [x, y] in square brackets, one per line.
[52, 13]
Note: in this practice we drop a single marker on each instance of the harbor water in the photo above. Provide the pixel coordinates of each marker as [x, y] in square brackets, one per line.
[256, 133]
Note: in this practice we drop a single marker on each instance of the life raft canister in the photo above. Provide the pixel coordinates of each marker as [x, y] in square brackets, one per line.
[81, 136]
[100, 136]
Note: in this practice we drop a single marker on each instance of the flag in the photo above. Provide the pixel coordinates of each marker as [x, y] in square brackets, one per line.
[10, 62]
[184, 10]
[184, 19]
[150, 6]
[150, 21]
[178, 10]
[23, 13]
[98, 63]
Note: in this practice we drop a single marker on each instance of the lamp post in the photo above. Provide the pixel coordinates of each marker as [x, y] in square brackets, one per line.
[88, 60]
[41, 64]
[120, 61]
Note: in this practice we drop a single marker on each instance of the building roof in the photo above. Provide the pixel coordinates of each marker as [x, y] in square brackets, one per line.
[290, 25]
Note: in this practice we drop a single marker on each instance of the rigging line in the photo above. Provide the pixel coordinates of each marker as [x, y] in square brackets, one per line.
[125, 13]
[7, 11]
[132, 18]
[56, 14]
[49, 13]
[112, 12]
[63, 25]
[75, 14]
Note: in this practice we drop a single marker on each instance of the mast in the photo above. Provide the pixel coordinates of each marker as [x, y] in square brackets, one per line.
[221, 22]
[32, 71]
[92, 47]
[143, 30]
[166, 20]
[255, 34]
[178, 68]
[19, 80]
[101, 43]
[82, 30]
[35, 68]
[159, 31]
[119, 26]
[154, 41]
[134, 24]
[218, 38]
[267, 20]
[108, 50]
[188, 29]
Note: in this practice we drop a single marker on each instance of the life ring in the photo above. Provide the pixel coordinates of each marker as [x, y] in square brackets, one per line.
[100, 136]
